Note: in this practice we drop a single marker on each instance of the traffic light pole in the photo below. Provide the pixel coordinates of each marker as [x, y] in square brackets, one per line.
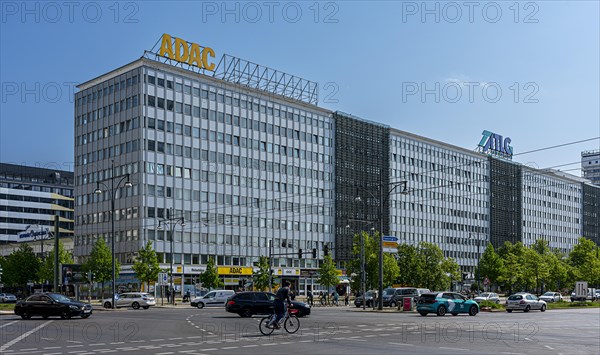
[56, 266]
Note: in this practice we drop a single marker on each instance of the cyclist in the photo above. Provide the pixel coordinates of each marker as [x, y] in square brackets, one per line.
[283, 294]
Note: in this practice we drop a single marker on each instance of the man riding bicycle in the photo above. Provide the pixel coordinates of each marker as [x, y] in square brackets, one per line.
[283, 294]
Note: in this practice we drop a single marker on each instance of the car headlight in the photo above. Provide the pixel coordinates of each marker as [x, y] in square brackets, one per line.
[75, 308]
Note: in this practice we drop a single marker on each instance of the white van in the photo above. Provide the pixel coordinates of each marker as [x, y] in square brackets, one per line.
[213, 298]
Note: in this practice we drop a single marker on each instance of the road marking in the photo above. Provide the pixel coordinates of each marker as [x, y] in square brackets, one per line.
[507, 353]
[74, 346]
[352, 339]
[97, 344]
[459, 349]
[269, 344]
[19, 338]
[229, 347]
[7, 324]
[549, 347]
[249, 346]
[404, 344]
[48, 348]
[175, 338]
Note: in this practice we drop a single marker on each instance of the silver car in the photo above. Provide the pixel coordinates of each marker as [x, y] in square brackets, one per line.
[524, 302]
[488, 296]
[551, 297]
[134, 300]
[8, 297]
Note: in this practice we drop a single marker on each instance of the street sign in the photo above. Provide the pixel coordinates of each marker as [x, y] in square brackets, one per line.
[163, 278]
[387, 238]
[390, 244]
[390, 250]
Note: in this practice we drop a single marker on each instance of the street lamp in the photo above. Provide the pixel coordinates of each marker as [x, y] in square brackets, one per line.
[362, 268]
[478, 255]
[113, 192]
[382, 200]
[171, 222]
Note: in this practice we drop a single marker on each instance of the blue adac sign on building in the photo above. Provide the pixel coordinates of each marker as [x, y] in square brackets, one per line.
[495, 144]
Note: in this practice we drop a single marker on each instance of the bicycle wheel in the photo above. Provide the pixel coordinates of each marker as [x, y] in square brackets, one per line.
[292, 324]
[263, 326]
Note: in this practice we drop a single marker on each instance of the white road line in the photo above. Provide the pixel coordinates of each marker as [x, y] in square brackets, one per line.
[403, 344]
[229, 347]
[175, 338]
[19, 338]
[549, 347]
[50, 347]
[249, 346]
[507, 353]
[269, 344]
[7, 324]
[457, 349]
[74, 346]
[97, 344]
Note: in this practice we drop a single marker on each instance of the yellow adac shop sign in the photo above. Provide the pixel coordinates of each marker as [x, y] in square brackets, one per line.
[184, 52]
[235, 270]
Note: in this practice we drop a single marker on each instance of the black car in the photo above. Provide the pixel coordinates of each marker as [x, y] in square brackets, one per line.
[51, 304]
[247, 304]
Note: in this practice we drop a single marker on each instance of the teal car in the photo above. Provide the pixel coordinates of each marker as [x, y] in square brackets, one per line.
[441, 303]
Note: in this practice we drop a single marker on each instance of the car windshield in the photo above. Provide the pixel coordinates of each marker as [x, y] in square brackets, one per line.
[388, 292]
[370, 293]
[57, 297]
[485, 294]
[515, 297]
[549, 294]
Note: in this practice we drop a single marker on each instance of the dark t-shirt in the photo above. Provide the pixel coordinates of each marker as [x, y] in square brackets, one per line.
[283, 293]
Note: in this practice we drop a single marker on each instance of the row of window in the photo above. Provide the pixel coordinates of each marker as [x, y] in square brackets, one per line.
[108, 110]
[97, 94]
[93, 197]
[552, 227]
[550, 216]
[20, 186]
[418, 147]
[107, 153]
[106, 132]
[550, 204]
[558, 195]
[10, 197]
[100, 217]
[440, 211]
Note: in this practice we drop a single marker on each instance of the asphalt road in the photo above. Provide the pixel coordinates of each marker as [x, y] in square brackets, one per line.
[340, 330]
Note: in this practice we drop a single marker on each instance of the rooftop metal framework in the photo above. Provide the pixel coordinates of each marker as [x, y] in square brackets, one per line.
[256, 76]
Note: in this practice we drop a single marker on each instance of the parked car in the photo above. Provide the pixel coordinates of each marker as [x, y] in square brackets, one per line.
[551, 297]
[524, 302]
[131, 299]
[212, 299]
[51, 304]
[487, 296]
[247, 304]
[8, 298]
[441, 303]
[591, 296]
[358, 301]
[393, 297]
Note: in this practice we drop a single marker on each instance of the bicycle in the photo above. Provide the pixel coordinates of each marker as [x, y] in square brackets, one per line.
[290, 322]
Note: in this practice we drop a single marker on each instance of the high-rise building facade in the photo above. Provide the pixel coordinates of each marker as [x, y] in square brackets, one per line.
[242, 167]
[30, 198]
[590, 165]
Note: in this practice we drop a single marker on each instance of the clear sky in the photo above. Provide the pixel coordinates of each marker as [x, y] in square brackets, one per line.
[443, 70]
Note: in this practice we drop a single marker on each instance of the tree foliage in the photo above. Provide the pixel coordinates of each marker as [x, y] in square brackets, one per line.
[260, 277]
[146, 265]
[21, 267]
[100, 262]
[491, 264]
[46, 272]
[210, 277]
[328, 273]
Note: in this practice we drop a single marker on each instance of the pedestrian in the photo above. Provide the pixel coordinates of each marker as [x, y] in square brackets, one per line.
[347, 298]
[309, 298]
[168, 295]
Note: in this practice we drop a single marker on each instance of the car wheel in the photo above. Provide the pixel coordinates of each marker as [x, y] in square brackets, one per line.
[527, 309]
[25, 314]
[497, 301]
[441, 311]
[543, 309]
[107, 305]
[200, 305]
[423, 313]
[135, 305]
[65, 314]
[454, 314]
[146, 307]
[509, 310]
[84, 316]
[245, 313]
[393, 304]
[473, 310]
[357, 305]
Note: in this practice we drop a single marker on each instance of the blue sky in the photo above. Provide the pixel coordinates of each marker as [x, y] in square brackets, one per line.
[371, 59]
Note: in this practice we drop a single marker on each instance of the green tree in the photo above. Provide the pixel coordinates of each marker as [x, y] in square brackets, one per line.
[560, 272]
[328, 273]
[514, 275]
[146, 266]
[210, 277]
[46, 272]
[100, 263]
[431, 266]
[391, 270]
[584, 258]
[22, 266]
[490, 264]
[260, 277]
[409, 266]
[450, 272]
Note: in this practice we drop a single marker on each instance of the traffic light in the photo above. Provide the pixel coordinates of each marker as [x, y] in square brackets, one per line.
[325, 250]
[300, 254]
[314, 253]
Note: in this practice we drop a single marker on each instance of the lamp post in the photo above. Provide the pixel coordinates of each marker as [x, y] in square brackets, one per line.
[362, 268]
[123, 179]
[171, 222]
[382, 200]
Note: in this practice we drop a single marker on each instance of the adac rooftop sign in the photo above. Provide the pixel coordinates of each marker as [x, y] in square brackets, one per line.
[189, 53]
[495, 144]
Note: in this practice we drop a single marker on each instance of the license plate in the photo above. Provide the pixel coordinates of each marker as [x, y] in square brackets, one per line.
[87, 311]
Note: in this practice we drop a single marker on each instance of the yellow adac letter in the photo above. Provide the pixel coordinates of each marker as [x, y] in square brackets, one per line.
[165, 47]
[208, 51]
[195, 56]
[179, 46]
